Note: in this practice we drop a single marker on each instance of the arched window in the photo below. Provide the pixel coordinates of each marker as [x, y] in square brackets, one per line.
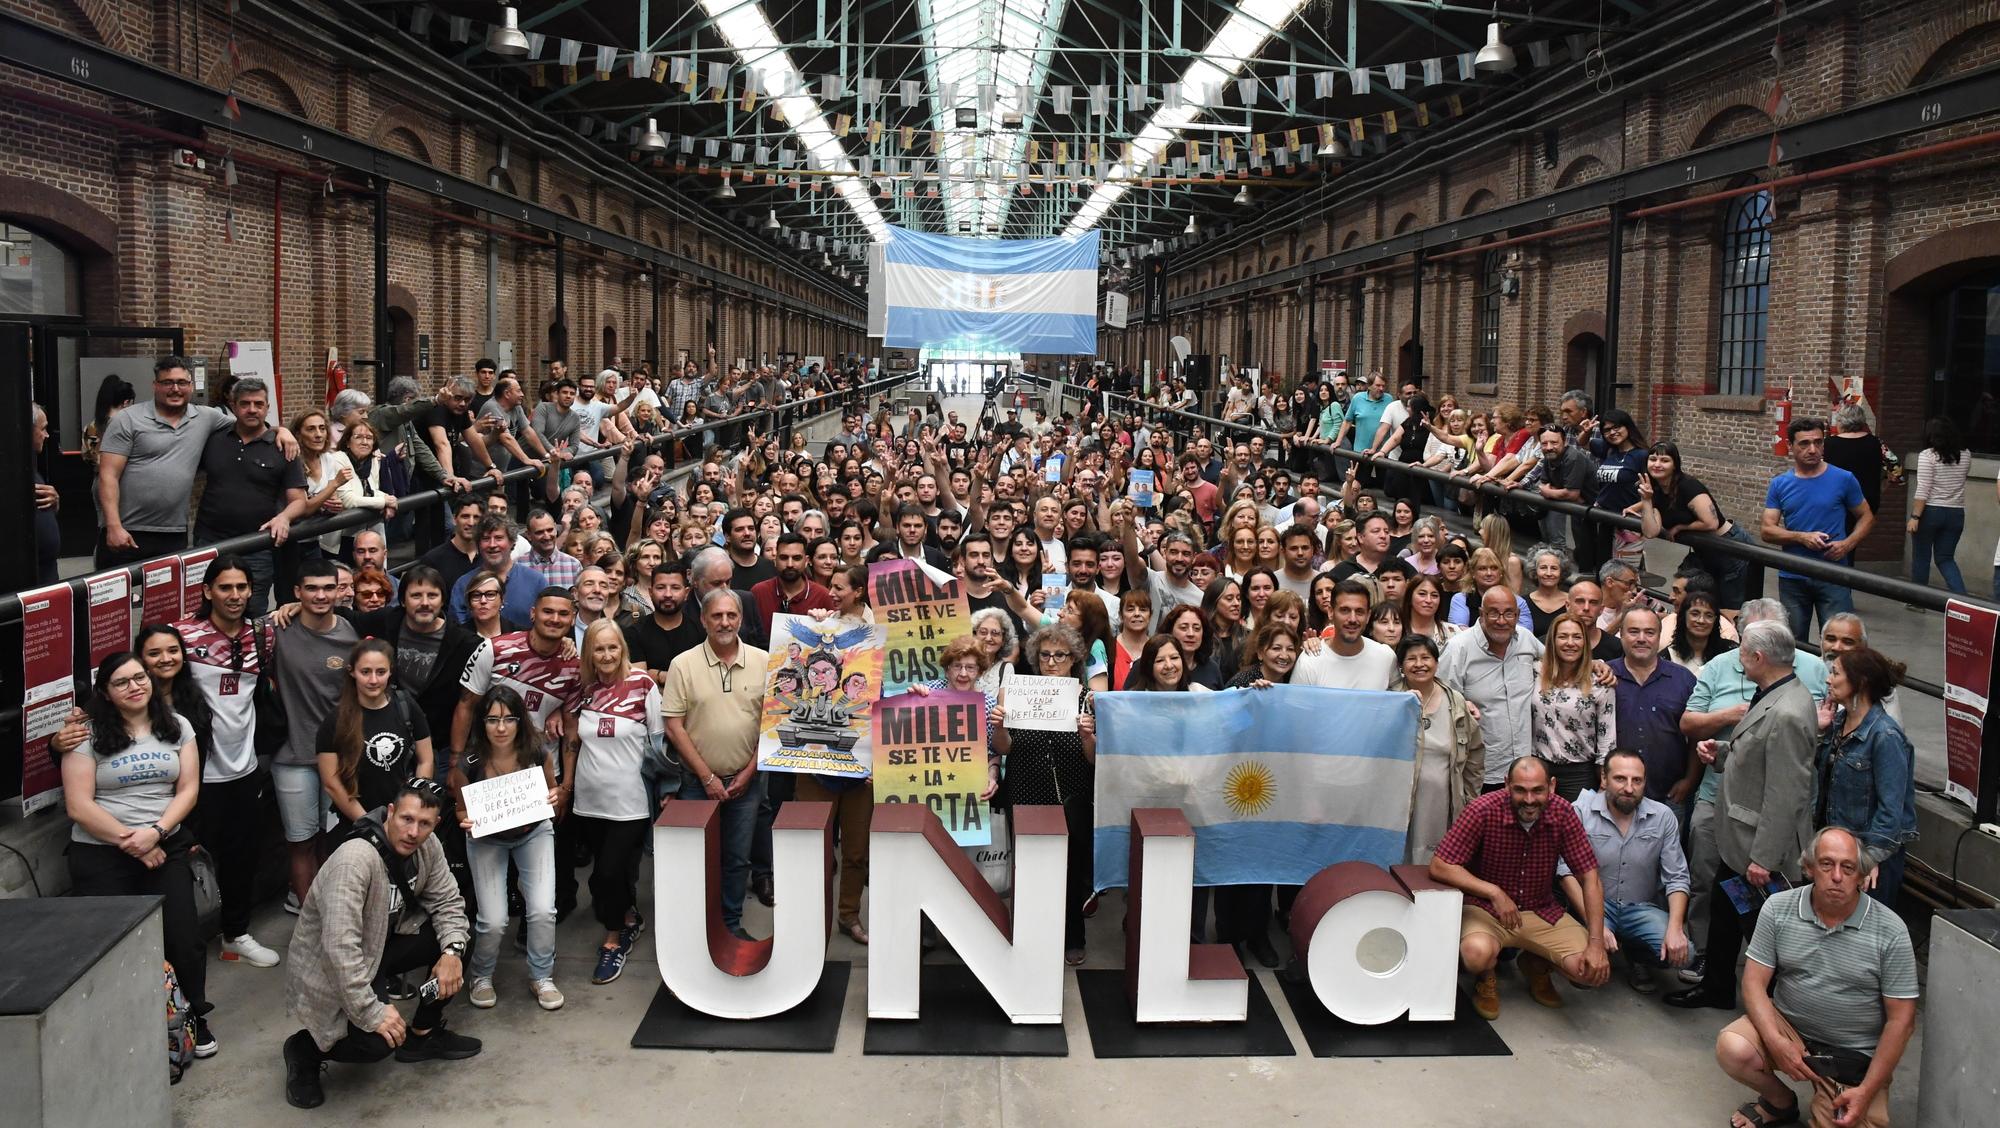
[1745, 297]
[37, 276]
[1492, 272]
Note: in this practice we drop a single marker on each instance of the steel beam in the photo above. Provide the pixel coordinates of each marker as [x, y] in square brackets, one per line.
[385, 360]
[89, 66]
[1915, 111]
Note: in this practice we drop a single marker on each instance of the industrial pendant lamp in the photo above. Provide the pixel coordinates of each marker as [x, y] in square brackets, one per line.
[1190, 227]
[726, 191]
[771, 220]
[1243, 196]
[1496, 57]
[1334, 151]
[650, 141]
[505, 38]
[825, 259]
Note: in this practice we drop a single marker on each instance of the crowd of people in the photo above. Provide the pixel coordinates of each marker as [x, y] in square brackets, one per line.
[1599, 770]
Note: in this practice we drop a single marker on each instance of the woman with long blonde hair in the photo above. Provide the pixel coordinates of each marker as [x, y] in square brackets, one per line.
[1496, 534]
[1484, 571]
[605, 752]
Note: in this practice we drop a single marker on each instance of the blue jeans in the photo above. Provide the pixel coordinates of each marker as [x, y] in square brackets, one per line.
[535, 857]
[739, 827]
[1889, 878]
[1802, 597]
[1938, 530]
[1641, 929]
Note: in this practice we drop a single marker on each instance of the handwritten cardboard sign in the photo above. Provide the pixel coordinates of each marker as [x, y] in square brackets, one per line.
[507, 801]
[1047, 704]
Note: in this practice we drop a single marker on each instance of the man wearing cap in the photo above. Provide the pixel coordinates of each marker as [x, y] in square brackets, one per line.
[1012, 428]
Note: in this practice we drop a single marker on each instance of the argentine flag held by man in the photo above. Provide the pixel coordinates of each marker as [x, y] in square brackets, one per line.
[1278, 783]
[1007, 295]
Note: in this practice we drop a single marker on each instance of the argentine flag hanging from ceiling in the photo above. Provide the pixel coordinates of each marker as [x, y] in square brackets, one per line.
[1000, 295]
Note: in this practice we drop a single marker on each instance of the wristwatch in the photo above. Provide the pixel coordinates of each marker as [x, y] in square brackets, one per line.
[455, 948]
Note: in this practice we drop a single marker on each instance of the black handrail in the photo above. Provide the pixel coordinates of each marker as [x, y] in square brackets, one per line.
[783, 415]
[1888, 587]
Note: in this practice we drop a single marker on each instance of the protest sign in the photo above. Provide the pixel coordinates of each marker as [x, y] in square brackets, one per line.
[823, 678]
[108, 611]
[1140, 486]
[932, 751]
[921, 614]
[48, 689]
[507, 801]
[1271, 799]
[1047, 704]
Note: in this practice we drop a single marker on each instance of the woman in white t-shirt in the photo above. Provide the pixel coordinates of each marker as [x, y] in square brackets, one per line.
[604, 756]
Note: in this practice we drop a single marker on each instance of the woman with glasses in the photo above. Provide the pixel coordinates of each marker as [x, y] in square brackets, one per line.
[502, 743]
[618, 723]
[993, 630]
[964, 662]
[129, 789]
[1056, 768]
[375, 739]
[483, 596]
[1451, 749]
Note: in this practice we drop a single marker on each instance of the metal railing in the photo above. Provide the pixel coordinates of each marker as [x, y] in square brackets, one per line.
[782, 416]
[1888, 587]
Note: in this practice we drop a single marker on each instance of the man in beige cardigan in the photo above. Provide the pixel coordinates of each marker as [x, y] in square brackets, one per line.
[384, 903]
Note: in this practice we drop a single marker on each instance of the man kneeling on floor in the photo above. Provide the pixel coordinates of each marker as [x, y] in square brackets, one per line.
[1829, 995]
[383, 904]
[1502, 853]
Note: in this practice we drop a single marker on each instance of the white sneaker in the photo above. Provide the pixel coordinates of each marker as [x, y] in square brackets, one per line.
[482, 994]
[292, 903]
[547, 995]
[247, 949]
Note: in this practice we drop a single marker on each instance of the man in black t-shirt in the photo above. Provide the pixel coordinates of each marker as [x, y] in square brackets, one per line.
[739, 531]
[250, 485]
[656, 640]
[460, 554]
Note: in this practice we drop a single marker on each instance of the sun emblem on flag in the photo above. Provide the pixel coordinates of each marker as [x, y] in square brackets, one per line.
[1249, 789]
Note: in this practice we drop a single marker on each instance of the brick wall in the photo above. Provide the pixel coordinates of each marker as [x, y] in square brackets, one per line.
[161, 243]
[1835, 307]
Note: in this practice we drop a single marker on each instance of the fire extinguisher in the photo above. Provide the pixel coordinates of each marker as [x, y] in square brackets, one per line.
[1780, 445]
[336, 376]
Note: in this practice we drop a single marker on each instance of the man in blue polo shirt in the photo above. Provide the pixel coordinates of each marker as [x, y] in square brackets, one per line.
[1364, 417]
[1806, 511]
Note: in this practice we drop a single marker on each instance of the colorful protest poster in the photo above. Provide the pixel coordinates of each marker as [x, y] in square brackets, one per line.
[921, 611]
[48, 689]
[162, 595]
[824, 677]
[108, 611]
[1140, 486]
[932, 750]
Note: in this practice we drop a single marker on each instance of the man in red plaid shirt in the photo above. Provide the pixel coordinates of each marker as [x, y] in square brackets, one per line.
[1502, 853]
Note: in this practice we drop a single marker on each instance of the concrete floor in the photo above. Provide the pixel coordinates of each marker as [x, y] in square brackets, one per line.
[575, 1065]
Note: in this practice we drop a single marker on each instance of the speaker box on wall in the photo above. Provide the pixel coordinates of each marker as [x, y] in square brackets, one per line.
[1196, 370]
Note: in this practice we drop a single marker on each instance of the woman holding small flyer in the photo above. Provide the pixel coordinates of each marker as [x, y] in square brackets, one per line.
[505, 742]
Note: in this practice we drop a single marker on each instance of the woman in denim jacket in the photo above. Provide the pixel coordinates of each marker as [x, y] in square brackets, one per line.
[1865, 773]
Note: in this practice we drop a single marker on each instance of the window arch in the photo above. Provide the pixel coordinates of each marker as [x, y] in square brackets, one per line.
[1492, 273]
[1745, 297]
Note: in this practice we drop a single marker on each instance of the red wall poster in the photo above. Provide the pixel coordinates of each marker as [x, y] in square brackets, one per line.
[160, 594]
[194, 575]
[1969, 633]
[49, 689]
[109, 611]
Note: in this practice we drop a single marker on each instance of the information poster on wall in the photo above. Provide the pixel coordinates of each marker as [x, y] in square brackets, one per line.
[1970, 757]
[921, 610]
[194, 577]
[823, 680]
[108, 611]
[932, 750]
[49, 689]
[162, 593]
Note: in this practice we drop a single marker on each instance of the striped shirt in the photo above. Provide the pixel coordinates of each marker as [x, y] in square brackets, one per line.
[1830, 982]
